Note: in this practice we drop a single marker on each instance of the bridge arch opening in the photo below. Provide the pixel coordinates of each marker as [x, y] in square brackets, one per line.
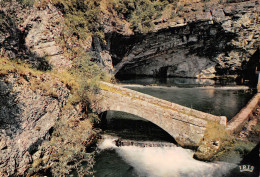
[129, 126]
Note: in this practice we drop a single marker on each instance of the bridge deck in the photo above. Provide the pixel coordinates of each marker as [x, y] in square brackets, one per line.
[163, 103]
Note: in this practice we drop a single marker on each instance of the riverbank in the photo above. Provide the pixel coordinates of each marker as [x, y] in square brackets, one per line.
[245, 126]
[242, 135]
[245, 149]
[244, 115]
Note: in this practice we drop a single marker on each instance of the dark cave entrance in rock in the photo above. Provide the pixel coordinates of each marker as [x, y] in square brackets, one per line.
[248, 74]
[184, 51]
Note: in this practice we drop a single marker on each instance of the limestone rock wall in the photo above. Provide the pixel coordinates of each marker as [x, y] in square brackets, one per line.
[43, 29]
[27, 118]
[9, 37]
[32, 35]
[205, 41]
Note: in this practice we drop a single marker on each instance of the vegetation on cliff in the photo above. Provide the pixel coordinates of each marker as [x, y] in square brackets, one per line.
[67, 151]
[84, 16]
[67, 148]
[73, 130]
[72, 134]
[83, 21]
[142, 14]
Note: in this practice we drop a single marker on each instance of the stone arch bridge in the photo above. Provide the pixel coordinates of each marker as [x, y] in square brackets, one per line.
[185, 125]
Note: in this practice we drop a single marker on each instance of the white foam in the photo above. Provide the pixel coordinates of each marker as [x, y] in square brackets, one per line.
[107, 143]
[166, 162]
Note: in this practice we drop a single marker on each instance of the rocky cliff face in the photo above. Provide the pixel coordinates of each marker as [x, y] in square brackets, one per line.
[207, 40]
[27, 118]
[32, 35]
[204, 40]
[28, 112]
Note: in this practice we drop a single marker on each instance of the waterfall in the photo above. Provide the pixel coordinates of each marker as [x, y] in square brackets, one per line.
[165, 161]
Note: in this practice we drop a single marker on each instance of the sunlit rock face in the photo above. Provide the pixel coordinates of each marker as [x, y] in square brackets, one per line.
[214, 44]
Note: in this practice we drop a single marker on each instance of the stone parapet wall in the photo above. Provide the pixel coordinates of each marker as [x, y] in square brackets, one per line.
[165, 104]
[237, 122]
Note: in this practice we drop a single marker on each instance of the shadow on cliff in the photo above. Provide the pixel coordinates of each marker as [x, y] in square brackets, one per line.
[250, 69]
[12, 43]
[201, 39]
[9, 110]
[213, 39]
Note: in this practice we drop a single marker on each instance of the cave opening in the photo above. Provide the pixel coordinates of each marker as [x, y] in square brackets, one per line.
[189, 51]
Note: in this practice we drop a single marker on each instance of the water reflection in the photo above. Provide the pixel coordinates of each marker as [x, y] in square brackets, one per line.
[216, 97]
[180, 82]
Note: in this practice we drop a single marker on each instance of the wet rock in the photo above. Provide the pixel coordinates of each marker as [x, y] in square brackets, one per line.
[119, 142]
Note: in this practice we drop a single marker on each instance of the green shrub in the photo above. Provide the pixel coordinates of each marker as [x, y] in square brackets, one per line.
[140, 13]
[87, 74]
[216, 132]
[66, 151]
